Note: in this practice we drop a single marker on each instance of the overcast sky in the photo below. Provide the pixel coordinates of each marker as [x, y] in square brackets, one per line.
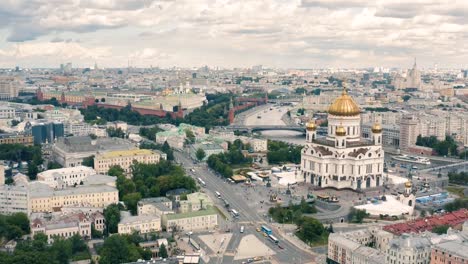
[234, 33]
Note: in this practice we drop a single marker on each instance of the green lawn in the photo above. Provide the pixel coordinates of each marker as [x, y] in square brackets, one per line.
[456, 190]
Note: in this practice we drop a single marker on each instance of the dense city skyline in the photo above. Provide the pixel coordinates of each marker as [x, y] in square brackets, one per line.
[286, 34]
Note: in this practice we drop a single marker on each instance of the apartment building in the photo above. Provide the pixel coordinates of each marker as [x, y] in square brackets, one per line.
[124, 159]
[408, 132]
[14, 199]
[191, 221]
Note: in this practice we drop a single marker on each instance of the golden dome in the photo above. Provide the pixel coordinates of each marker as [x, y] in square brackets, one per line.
[311, 126]
[340, 131]
[344, 106]
[376, 128]
[408, 184]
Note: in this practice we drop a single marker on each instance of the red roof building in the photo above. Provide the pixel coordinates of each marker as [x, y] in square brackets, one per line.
[428, 223]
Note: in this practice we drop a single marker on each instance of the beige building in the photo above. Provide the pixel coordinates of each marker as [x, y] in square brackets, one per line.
[155, 206]
[64, 226]
[408, 132]
[9, 87]
[259, 145]
[195, 202]
[192, 221]
[124, 159]
[43, 198]
[142, 224]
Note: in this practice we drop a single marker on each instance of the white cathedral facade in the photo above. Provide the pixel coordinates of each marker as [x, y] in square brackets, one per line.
[343, 159]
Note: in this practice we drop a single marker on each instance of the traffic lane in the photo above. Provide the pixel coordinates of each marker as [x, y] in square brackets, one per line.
[218, 182]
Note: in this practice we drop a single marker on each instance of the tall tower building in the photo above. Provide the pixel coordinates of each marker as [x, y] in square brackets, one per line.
[343, 159]
[414, 77]
[9, 87]
[408, 132]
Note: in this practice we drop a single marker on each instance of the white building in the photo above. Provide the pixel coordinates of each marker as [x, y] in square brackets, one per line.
[155, 206]
[409, 249]
[343, 159]
[192, 221]
[7, 112]
[64, 177]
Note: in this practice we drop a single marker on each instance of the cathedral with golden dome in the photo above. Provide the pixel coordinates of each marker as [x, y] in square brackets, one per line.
[343, 159]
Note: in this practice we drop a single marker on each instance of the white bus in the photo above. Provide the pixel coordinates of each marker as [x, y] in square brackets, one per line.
[273, 239]
[201, 181]
[234, 213]
[218, 194]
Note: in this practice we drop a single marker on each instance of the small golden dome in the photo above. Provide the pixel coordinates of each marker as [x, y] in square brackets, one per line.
[344, 106]
[408, 184]
[376, 128]
[311, 126]
[340, 131]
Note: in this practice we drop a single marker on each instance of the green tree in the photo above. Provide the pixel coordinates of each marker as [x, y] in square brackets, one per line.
[162, 251]
[310, 230]
[356, 215]
[406, 97]
[117, 249]
[441, 229]
[190, 137]
[456, 205]
[200, 154]
[112, 216]
[53, 165]
[131, 201]
[116, 171]
[62, 249]
[88, 161]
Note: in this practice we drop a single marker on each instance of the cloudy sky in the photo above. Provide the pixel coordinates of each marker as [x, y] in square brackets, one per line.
[234, 33]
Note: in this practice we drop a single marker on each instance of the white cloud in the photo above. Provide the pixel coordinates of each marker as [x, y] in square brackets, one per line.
[239, 33]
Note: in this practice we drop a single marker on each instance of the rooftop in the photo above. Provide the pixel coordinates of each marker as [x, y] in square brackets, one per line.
[154, 200]
[86, 144]
[78, 169]
[427, 223]
[125, 153]
[455, 247]
[38, 190]
[209, 211]
[138, 218]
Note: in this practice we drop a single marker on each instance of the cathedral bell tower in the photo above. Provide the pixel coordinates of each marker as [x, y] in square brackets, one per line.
[311, 133]
[377, 134]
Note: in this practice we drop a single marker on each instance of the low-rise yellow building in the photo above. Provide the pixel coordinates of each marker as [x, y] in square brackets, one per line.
[124, 158]
[43, 198]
